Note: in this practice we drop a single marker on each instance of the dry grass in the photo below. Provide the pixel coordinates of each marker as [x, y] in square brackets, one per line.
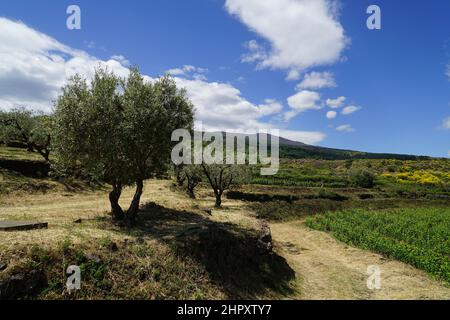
[171, 253]
[178, 250]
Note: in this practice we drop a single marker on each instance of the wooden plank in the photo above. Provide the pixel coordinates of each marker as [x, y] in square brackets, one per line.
[9, 225]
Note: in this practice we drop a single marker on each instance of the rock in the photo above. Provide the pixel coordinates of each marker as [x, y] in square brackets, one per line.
[23, 285]
[78, 221]
[208, 211]
[3, 266]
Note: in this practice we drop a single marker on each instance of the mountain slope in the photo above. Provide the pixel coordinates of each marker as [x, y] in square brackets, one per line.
[297, 150]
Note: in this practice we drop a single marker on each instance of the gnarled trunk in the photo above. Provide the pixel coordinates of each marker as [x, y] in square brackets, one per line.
[190, 192]
[218, 200]
[114, 196]
[134, 206]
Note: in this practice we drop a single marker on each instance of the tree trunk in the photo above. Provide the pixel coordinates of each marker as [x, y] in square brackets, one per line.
[45, 153]
[218, 200]
[191, 193]
[114, 196]
[134, 206]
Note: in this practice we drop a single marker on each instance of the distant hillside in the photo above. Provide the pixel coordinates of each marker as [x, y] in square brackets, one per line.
[297, 150]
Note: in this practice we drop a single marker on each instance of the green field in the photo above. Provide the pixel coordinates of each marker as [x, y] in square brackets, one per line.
[418, 236]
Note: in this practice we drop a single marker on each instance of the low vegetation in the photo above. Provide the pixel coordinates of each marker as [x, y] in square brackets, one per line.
[419, 236]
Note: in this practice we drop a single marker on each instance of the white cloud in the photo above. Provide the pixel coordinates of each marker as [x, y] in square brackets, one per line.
[220, 106]
[331, 114]
[304, 100]
[446, 123]
[34, 66]
[301, 102]
[317, 80]
[288, 115]
[345, 128]
[189, 70]
[308, 137]
[123, 61]
[336, 103]
[301, 33]
[350, 109]
[293, 74]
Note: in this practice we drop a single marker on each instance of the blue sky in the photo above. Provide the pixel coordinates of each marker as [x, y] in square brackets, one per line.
[248, 65]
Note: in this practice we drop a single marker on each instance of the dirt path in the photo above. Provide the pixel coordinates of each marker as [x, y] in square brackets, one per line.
[328, 269]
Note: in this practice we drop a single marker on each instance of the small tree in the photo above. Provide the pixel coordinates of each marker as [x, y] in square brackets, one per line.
[193, 174]
[222, 177]
[28, 129]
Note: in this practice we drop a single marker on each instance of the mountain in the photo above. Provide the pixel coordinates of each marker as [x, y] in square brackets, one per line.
[297, 150]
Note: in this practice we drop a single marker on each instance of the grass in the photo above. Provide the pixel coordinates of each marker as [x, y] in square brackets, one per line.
[18, 154]
[175, 250]
[413, 176]
[418, 236]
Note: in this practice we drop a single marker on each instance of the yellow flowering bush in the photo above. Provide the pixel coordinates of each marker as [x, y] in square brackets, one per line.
[419, 176]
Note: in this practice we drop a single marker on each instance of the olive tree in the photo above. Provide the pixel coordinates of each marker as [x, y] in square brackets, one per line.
[27, 128]
[222, 177]
[119, 130]
[193, 175]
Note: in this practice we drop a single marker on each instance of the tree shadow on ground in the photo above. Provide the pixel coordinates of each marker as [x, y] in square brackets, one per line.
[229, 253]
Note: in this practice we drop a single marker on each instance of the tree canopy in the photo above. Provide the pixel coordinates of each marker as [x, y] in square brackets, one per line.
[26, 128]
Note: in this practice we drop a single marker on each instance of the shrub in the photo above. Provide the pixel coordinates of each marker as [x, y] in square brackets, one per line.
[324, 194]
[362, 179]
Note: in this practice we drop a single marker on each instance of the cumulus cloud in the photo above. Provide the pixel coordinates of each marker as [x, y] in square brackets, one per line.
[301, 102]
[34, 66]
[300, 33]
[220, 106]
[304, 100]
[336, 103]
[331, 114]
[345, 128]
[317, 80]
[350, 109]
